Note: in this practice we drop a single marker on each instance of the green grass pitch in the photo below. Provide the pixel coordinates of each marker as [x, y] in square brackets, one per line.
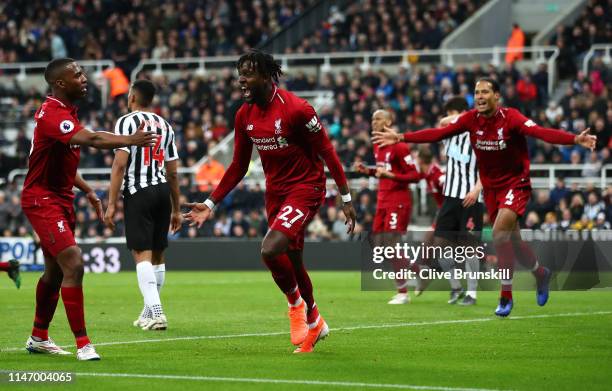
[427, 344]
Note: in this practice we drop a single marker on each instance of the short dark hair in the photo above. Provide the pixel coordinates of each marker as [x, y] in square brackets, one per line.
[146, 91]
[493, 82]
[55, 67]
[456, 103]
[425, 154]
[263, 63]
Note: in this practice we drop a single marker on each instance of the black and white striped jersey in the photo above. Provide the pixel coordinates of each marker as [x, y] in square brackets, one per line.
[461, 168]
[146, 164]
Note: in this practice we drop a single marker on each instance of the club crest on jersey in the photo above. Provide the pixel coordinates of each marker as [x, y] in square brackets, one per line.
[500, 133]
[66, 126]
[479, 132]
[313, 125]
[277, 126]
[60, 226]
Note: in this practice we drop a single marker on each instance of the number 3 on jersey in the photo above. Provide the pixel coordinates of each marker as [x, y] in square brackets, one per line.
[158, 153]
[284, 216]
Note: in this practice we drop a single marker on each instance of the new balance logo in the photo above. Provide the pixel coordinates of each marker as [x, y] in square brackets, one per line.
[249, 127]
[314, 125]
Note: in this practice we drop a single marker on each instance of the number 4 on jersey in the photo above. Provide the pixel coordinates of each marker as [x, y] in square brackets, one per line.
[158, 153]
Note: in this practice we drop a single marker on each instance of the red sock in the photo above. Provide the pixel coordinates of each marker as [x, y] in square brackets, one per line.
[5, 266]
[505, 262]
[73, 302]
[312, 314]
[400, 265]
[293, 296]
[46, 302]
[506, 291]
[282, 272]
[304, 283]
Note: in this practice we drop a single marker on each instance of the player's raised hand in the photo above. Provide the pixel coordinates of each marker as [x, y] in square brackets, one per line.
[387, 136]
[360, 168]
[109, 217]
[141, 138]
[586, 140]
[176, 220]
[351, 216]
[95, 202]
[198, 214]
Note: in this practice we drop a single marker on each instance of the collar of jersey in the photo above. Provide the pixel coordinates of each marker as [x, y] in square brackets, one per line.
[61, 102]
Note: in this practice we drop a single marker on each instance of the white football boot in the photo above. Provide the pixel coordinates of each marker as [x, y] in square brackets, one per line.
[45, 347]
[87, 353]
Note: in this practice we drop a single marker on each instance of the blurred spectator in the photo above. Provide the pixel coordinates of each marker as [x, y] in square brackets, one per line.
[516, 43]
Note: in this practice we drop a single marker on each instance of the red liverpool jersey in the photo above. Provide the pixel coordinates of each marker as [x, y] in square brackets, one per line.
[396, 159]
[499, 143]
[290, 140]
[53, 161]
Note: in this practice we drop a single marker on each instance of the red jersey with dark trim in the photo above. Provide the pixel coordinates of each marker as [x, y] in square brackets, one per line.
[499, 143]
[396, 159]
[53, 161]
[290, 140]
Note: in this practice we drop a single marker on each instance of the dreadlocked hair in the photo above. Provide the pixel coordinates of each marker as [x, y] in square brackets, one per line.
[263, 63]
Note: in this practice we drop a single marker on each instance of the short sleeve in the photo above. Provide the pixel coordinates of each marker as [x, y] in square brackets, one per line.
[59, 125]
[122, 128]
[306, 119]
[170, 147]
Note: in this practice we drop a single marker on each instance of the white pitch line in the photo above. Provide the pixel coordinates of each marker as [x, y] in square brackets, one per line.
[347, 328]
[281, 381]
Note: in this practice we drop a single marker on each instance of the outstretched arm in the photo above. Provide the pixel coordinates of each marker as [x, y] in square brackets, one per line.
[389, 136]
[201, 211]
[527, 127]
[107, 140]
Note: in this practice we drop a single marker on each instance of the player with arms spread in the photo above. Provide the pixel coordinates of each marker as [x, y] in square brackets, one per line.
[498, 137]
[47, 201]
[291, 141]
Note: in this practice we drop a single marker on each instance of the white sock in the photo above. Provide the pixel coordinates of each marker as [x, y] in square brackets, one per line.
[160, 275]
[472, 265]
[148, 287]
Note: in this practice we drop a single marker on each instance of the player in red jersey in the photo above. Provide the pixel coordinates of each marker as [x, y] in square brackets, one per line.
[396, 169]
[498, 136]
[291, 141]
[47, 200]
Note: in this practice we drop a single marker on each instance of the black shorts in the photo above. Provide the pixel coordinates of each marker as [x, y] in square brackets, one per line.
[147, 218]
[454, 222]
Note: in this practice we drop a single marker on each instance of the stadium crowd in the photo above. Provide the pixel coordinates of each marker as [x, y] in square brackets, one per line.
[201, 108]
[388, 25]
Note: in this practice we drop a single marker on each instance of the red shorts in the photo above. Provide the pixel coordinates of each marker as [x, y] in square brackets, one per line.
[392, 219]
[514, 198]
[291, 213]
[54, 224]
